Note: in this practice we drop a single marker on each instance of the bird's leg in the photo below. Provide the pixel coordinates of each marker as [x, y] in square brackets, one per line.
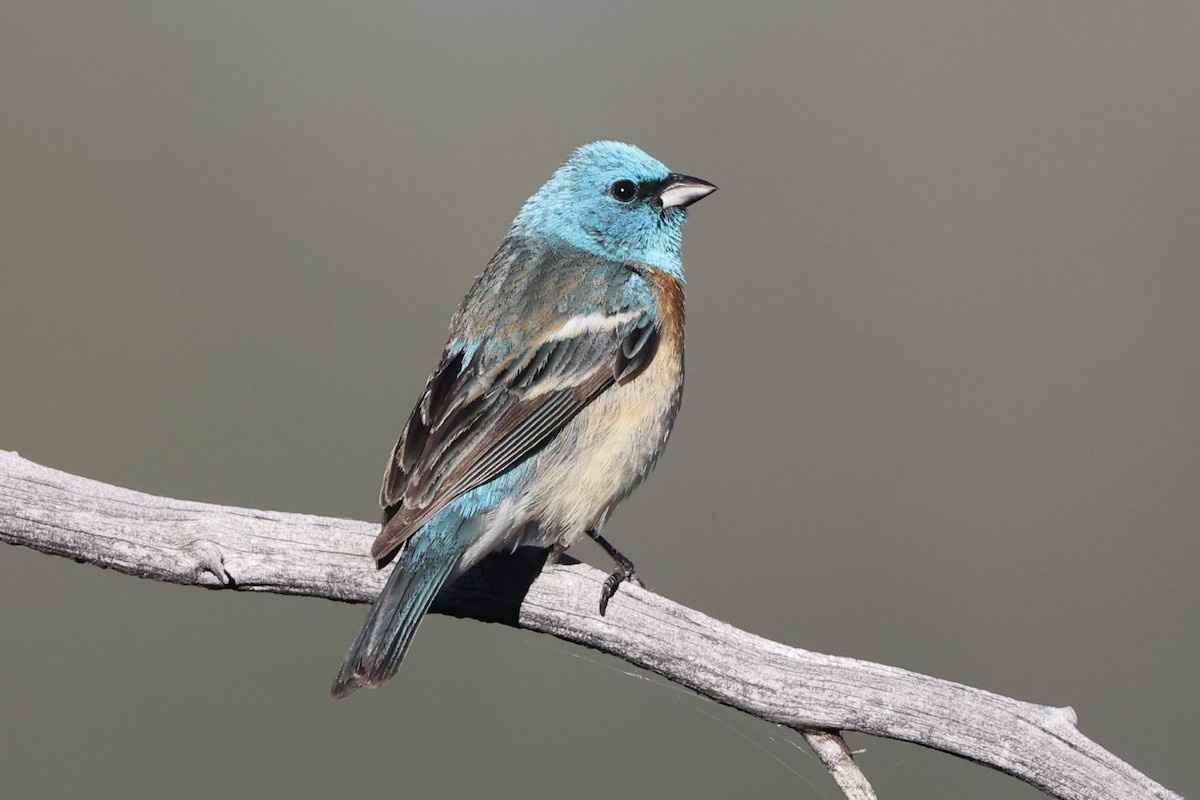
[554, 553]
[622, 571]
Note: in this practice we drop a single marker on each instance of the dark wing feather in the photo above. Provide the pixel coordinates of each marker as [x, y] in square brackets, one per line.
[477, 421]
[637, 350]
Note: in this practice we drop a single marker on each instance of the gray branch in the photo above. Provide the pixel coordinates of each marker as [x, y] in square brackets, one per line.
[819, 695]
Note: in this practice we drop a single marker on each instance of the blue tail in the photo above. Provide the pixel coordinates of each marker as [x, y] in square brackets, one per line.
[421, 570]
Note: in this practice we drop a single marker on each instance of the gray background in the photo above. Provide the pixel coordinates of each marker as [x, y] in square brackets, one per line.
[942, 394]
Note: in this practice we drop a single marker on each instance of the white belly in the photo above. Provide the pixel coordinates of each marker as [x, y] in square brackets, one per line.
[600, 456]
[605, 452]
[593, 464]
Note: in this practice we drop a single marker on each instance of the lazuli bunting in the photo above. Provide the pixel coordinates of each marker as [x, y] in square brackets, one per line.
[553, 398]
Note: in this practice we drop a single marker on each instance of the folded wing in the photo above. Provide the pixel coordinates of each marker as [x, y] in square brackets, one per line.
[477, 420]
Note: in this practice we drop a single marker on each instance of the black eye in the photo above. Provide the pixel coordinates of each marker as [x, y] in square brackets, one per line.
[624, 191]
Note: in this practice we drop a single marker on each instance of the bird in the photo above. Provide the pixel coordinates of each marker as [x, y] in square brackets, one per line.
[553, 397]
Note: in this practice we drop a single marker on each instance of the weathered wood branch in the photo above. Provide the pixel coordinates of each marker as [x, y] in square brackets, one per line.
[237, 548]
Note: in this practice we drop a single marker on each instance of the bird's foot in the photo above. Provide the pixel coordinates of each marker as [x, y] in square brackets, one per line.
[622, 571]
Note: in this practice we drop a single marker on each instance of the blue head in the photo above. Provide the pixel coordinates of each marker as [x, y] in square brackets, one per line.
[613, 200]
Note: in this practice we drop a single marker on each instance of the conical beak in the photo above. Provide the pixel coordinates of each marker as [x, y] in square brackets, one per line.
[683, 190]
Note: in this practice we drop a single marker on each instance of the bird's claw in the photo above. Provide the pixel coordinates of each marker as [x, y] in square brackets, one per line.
[623, 572]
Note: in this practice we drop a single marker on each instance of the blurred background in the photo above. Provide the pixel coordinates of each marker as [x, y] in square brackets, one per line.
[943, 399]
